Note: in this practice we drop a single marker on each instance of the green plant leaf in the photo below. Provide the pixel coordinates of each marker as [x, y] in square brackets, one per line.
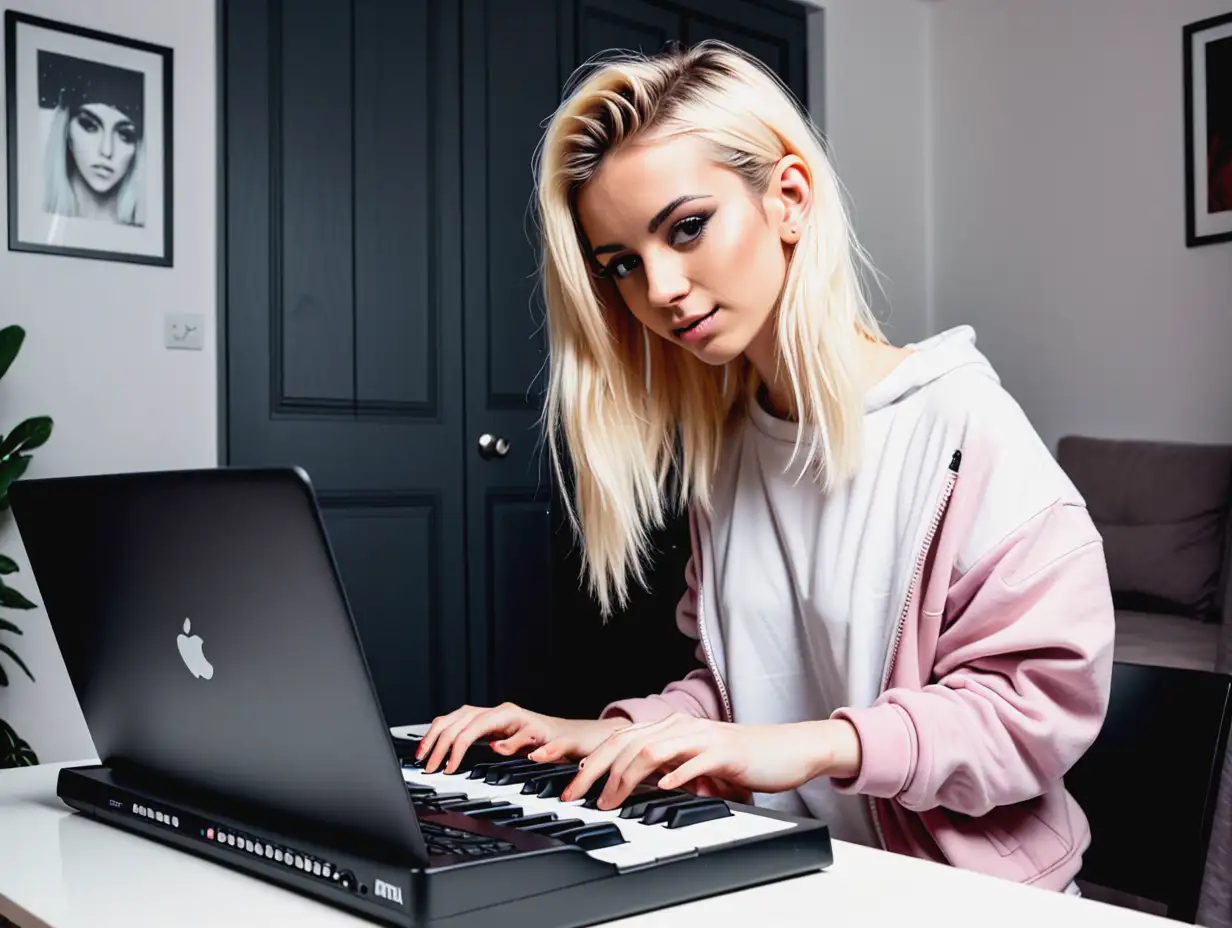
[11, 337]
[11, 469]
[13, 751]
[29, 435]
[5, 649]
[11, 599]
[7, 565]
[9, 627]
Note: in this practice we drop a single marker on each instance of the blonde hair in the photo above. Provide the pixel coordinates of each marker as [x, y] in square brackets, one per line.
[623, 436]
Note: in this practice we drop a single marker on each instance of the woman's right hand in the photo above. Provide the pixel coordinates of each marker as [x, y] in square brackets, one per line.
[552, 738]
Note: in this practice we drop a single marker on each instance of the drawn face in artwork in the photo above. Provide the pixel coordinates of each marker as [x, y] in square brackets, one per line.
[102, 141]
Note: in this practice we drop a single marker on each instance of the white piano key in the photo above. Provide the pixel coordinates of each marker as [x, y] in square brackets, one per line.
[736, 827]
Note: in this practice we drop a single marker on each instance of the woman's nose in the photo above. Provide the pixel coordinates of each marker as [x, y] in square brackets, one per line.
[665, 281]
[107, 145]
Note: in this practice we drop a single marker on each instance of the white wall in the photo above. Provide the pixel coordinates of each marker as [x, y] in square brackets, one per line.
[1059, 225]
[876, 118]
[94, 358]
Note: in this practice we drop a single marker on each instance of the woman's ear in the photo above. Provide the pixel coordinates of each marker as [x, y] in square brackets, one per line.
[790, 197]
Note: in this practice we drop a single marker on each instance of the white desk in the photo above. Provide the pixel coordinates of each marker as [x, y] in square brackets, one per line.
[59, 869]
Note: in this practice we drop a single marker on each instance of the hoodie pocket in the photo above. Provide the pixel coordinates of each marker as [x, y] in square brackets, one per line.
[1005, 843]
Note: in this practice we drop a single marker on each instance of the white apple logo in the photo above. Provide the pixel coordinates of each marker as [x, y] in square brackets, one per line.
[190, 651]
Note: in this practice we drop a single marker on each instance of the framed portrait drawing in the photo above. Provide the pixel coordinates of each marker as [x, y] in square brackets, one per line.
[89, 142]
[1208, 131]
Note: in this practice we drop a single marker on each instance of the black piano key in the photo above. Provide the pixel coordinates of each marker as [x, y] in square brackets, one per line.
[550, 828]
[444, 797]
[416, 790]
[551, 786]
[534, 784]
[521, 774]
[593, 794]
[635, 805]
[405, 749]
[498, 812]
[478, 770]
[478, 753]
[539, 818]
[591, 800]
[699, 810]
[494, 771]
[593, 836]
[466, 805]
[656, 809]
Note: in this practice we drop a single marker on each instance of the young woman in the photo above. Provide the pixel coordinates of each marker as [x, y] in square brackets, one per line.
[93, 161]
[902, 606]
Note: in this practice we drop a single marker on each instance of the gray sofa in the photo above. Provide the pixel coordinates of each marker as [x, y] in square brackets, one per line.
[1163, 509]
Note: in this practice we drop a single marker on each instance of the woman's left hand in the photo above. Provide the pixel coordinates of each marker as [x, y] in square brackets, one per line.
[759, 758]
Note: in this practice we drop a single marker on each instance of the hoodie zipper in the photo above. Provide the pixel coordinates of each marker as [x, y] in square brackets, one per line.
[710, 662]
[950, 479]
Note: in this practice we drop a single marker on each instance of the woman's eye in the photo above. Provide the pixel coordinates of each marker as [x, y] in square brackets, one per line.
[622, 267]
[688, 230]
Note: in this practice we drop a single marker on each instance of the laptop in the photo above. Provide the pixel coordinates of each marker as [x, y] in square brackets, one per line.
[207, 634]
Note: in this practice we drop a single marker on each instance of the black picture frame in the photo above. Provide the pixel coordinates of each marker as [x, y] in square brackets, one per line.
[1208, 130]
[129, 219]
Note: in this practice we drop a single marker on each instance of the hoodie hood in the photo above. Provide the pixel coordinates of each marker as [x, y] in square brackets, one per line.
[931, 359]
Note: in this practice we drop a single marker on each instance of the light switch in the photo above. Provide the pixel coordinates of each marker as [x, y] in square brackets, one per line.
[184, 330]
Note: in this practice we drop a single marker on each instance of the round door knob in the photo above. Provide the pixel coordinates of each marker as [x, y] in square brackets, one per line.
[490, 446]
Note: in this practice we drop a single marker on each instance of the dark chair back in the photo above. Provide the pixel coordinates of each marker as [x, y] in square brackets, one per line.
[1149, 783]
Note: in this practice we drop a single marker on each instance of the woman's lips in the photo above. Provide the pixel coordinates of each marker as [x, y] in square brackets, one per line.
[698, 329]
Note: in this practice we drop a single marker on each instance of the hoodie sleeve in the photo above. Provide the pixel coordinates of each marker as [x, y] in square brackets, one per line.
[697, 694]
[1019, 681]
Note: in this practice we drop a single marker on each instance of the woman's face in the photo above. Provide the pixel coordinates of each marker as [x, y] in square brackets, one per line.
[698, 257]
[102, 141]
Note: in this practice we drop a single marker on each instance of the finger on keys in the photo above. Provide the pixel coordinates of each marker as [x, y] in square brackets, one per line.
[644, 757]
[599, 761]
[550, 751]
[439, 724]
[502, 720]
[446, 741]
[524, 737]
[697, 766]
[478, 725]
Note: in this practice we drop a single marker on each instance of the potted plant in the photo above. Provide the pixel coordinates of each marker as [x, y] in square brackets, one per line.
[15, 451]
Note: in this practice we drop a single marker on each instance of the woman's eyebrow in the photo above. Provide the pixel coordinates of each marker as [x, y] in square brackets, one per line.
[656, 221]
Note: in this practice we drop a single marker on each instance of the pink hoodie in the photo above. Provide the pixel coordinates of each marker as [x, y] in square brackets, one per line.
[998, 672]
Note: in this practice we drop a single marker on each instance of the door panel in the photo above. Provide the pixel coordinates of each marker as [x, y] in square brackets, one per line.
[625, 24]
[343, 293]
[388, 549]
[507, 94]
[396, 352]
[769, 51]
[776, 33]
[315, 317]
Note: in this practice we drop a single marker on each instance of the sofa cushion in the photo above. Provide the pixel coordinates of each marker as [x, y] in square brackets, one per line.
[1162, 509]
[1165, 641]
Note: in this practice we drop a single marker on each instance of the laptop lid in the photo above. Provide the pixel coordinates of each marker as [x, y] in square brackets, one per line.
[205, 629]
